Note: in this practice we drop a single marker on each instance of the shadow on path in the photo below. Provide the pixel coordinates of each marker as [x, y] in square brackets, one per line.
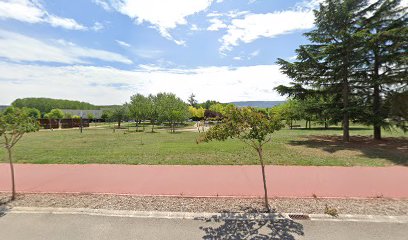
[237, 226]
[393, 149]
[4, 201]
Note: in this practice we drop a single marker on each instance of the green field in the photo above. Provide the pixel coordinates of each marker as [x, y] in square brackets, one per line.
[289, 147]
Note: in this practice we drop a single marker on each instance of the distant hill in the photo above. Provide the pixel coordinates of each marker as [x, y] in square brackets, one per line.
[46, 104]
[259, 104]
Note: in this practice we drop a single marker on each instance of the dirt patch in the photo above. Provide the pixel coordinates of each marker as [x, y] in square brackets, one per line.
[375, 206]
[392, 149]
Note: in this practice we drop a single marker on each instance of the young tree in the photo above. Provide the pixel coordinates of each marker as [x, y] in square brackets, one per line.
[289, 111]
[57, 114]
[152, 110]
[139, 108]
[14, 123]
[251, 127]
[172, 109]
[119, 113]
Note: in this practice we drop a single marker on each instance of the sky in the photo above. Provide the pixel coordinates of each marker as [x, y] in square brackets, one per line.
[104, 51]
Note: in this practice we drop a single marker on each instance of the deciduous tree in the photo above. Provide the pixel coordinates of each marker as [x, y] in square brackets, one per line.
[251, 127]
[14, 123]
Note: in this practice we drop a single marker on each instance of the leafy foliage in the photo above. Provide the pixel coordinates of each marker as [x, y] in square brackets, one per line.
[357, 55]
[14, 123]
[248, 125]
[171, 109]
[196, 113]
[45, 105]
[55, 114]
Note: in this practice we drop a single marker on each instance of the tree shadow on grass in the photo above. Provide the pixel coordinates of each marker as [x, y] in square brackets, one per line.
[330, 128]
[250, 225]
[394, 149]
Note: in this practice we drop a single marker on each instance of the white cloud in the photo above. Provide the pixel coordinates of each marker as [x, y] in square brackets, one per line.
[97, 26]
[254, 53]
[21, 10]
[163, 15]
[67, 23]
[18, 47]
[216, 24]
[32, 11]
[147, 53]
[103, 4]
[88, 83]
[254, 26]
[122, 43]
[194, 27]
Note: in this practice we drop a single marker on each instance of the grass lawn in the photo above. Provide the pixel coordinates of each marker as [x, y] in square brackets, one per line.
[289, 147]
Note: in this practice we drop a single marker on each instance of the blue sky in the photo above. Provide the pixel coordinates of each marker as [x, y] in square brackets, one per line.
[103, 51]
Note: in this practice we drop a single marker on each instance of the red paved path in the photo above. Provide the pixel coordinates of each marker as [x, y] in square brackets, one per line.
[283, 181]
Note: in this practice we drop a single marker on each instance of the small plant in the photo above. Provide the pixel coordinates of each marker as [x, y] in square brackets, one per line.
[331, 211]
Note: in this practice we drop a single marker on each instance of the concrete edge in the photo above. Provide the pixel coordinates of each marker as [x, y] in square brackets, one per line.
[376, 197]
[202, 215]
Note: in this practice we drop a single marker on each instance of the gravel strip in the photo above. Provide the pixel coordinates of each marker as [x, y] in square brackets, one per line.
[376, 206]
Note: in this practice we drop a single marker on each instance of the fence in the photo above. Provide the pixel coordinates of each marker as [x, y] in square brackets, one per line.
[65, 123]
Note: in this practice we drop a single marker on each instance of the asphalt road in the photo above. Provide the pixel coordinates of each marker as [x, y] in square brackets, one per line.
[71, 227]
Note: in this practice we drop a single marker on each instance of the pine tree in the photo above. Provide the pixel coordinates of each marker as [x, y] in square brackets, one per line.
[385, 41]
[331, 60]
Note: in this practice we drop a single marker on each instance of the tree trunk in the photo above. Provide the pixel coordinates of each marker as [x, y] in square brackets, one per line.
[291, 123]
[119, 124]
[152, 126]
[13, 185]
[80, 125]
[376, 112]
[376, 99]
[346, 114]
[259, 150]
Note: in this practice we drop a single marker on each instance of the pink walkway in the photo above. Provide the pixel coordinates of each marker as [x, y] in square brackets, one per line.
[243, 181]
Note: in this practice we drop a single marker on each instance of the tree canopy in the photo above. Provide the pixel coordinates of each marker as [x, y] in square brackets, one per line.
[356, 57]
[249, 125]
[45, 105]
[14, 123]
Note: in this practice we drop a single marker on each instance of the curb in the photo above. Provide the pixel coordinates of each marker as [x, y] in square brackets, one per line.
[205, 215]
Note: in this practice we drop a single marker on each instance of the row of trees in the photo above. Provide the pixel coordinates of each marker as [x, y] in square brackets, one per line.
[355, 67]
[45, 105]
[160, 108]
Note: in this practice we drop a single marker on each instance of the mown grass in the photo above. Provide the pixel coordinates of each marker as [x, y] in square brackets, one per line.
[288, 147]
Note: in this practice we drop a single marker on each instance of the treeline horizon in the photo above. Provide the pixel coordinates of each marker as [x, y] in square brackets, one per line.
[45, 105]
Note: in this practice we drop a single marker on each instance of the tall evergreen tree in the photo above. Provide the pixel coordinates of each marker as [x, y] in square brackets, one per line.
[331, 60]
[384, 41]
